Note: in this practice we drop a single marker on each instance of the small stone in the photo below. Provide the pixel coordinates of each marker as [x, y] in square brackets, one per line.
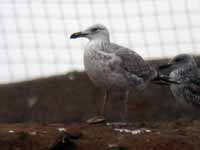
[63, 142]
[96, 120]
[11, 131]
[116, 147]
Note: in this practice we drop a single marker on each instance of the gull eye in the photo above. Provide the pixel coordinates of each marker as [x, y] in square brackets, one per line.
[94, 29]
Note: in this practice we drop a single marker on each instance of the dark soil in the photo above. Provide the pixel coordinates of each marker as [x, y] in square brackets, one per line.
[181, 134]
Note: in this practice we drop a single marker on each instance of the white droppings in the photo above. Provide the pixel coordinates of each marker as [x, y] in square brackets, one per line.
[32, 101]
[136, 132]
[44, 132]
[108, 124]
[71, 76]
[11, 131]
[61, 129]
[113, 146]
[133, 132]
[147, 130]
[33, 133]
[117, 124]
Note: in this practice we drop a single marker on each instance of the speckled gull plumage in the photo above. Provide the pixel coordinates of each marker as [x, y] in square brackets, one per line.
[187, 74]
[111, 66]
[184, 70]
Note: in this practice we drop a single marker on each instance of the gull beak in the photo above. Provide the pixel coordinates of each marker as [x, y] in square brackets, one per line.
[78, 35]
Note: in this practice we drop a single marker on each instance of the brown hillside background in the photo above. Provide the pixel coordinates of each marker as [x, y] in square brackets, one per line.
[72, 97]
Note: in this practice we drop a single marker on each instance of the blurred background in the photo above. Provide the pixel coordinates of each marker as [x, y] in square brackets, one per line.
[34, 34]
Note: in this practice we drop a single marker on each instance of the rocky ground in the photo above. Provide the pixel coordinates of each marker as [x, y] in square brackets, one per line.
[180, 134]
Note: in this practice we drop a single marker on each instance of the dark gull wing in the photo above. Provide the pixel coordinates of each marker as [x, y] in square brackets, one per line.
[192, 88]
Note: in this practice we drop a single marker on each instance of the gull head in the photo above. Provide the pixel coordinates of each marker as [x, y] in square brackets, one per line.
[94, 32]
[180, 61]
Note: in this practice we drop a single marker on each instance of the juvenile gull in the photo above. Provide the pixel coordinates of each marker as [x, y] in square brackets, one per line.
[111, 66]
[185, 71]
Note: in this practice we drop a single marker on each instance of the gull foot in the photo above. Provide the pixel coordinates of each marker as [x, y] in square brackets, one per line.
[96, 120]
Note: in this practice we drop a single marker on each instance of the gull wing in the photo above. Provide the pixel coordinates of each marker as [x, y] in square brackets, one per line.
[192, 88]
[133, 63]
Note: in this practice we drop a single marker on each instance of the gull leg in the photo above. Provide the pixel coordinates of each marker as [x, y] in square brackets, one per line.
[101, 117]
[123, 115]
[105, 100]
[125, 106]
